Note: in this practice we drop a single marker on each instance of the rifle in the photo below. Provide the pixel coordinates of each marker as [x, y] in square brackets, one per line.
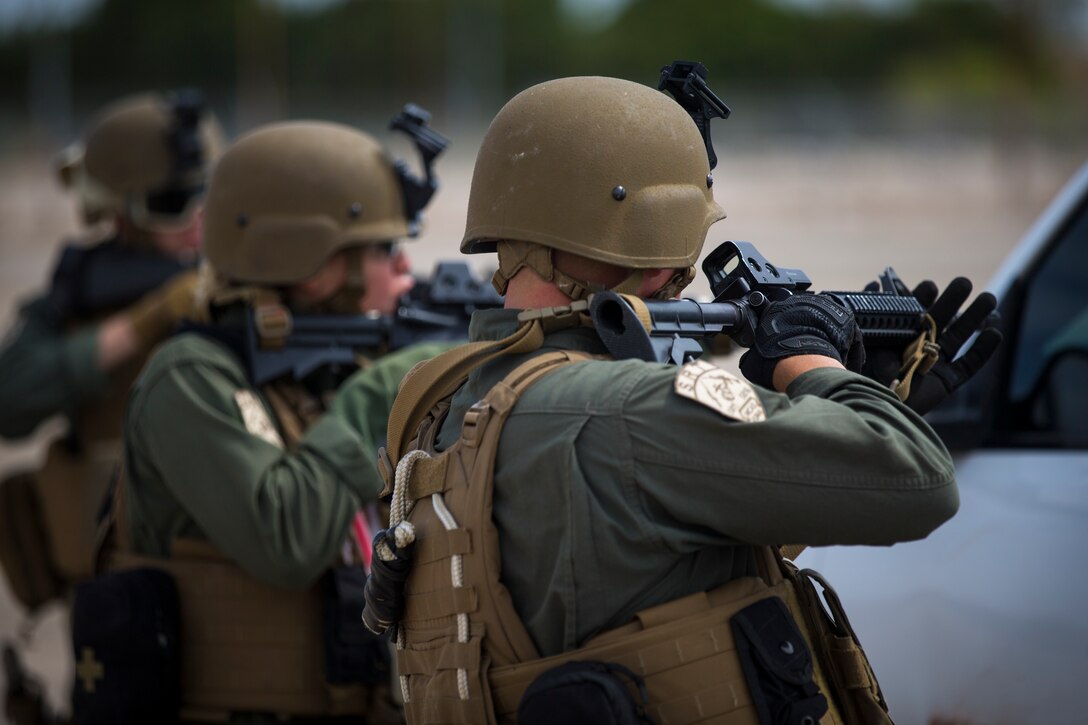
[436, 310]
[743, 283]
[105, 277]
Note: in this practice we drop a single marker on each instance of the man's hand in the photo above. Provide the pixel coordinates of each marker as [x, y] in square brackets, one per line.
[158, 312]
[146, 323]
[804, 324]
[937, 368]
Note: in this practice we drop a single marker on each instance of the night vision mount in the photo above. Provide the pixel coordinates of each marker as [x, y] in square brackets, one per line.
[685, 81]
[187, 108]
[413, 120]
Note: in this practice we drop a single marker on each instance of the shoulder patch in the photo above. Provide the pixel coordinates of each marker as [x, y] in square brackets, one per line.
[256, 417]
[719, 390]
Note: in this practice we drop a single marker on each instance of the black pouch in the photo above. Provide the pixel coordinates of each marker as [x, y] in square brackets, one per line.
[125, 639]
[777, 665]
[352, 653]
[584, 692]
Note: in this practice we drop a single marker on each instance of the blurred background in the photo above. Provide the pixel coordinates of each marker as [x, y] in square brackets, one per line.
[925, 134]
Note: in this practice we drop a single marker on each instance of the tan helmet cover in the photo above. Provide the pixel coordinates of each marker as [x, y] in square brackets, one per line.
[287, 196]
[126, 155]
[601, 167]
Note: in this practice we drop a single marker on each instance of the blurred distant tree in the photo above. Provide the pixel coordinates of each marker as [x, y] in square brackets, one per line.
[127, 45]
[973, 50]
[346, 59]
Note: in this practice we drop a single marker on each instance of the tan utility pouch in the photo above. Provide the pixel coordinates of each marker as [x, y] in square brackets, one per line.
[837, 648]
[246, 646]
[24, 543]
[685, 652]
[72, 488]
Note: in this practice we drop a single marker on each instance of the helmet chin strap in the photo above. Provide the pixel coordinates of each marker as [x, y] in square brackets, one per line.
[676, 284]
[515, 255]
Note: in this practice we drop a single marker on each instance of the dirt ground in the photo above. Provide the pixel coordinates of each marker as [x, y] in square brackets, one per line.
[841, 215]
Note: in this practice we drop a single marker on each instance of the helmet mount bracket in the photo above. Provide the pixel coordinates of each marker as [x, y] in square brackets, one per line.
[685, 81]
[413, 120]
[187, 107]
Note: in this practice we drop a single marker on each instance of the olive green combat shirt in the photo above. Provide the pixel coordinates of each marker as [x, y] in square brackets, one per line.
[613, 493]
[46, 370]
[194, 470]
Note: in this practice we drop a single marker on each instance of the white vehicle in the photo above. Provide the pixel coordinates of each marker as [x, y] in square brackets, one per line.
[986, 620]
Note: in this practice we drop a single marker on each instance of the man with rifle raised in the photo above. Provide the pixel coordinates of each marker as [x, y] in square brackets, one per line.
[250, 446]
[119, 289]
[576, 538]
[139, 175]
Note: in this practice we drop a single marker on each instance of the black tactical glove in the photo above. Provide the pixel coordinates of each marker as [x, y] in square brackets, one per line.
[928, 370]
[804, 324]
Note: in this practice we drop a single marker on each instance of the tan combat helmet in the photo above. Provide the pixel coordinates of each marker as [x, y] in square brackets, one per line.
[145, 157]
[287, 196]
[604, 168]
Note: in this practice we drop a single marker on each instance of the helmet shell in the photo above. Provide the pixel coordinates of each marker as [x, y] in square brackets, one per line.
[128, 155]
[287, 196]
[601, 167]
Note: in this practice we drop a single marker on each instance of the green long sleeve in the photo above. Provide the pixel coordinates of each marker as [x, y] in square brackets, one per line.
[195, 469]
[45, 370]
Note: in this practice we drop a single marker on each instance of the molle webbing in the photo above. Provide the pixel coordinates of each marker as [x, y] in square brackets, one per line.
[684, 651]
[430, 382]
[446, 668]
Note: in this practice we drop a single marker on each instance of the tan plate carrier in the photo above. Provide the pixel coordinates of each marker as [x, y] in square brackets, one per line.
[463, 653]
[246, 646]
[47, 542]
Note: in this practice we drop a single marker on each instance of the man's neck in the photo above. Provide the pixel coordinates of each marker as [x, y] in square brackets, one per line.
[527, 291]
[536, 299]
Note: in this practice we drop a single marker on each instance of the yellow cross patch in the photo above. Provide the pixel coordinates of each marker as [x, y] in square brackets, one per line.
[89, 669]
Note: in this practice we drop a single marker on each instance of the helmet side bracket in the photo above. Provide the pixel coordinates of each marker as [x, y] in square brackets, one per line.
[417, 192]
[187, 108]
[685, 81]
